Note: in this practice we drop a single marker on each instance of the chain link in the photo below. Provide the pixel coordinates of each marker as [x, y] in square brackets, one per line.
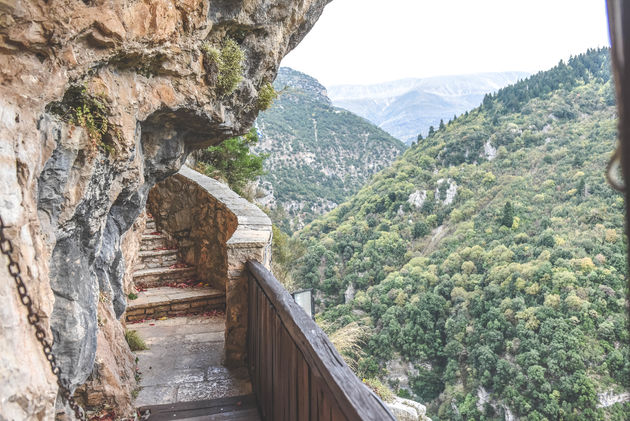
[33, 319]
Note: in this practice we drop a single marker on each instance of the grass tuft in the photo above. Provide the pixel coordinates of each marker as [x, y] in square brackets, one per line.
[135, 342]
[380, 389]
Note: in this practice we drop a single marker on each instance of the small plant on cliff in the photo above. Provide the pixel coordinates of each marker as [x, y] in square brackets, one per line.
[348, 341]
[285, 251]
[91, 119]
[228, 64]
[266, 96]
[135, 342]
[380, 389]
[88, 111]
[233, 162]
[132, 296]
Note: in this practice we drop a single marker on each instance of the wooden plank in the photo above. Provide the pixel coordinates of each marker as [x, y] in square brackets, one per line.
[261, 362]
[266, 355]
[258, 341]
[324, 406]
[353, 398]
[314, 392]
[286, 347]
[253, 337]
[277, 381]
[303, 388]
[278, 397]
[206, 408]
[244, 400]
[337, 415]
[251, 327]
[248, 415]
[291, 359]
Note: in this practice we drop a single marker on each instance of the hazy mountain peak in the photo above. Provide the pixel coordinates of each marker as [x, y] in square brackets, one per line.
[297, 81]
[447, 85]
[404, 108]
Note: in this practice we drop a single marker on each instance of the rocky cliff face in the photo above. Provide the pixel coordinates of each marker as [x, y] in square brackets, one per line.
[99, 100]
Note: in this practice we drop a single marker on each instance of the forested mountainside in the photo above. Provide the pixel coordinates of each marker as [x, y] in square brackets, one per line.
[487, 264]
[405, 108]
[319, 155]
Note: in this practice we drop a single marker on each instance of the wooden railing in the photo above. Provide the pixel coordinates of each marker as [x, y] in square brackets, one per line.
[296, 372]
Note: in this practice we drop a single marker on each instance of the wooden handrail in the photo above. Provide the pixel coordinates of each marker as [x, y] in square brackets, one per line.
[326, 381]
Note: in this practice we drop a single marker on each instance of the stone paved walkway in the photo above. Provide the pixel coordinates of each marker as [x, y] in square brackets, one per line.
[183, 362]
[172, 295]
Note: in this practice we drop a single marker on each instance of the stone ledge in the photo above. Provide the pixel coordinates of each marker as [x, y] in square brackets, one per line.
[161, 271]
[254, 226]
[166, 301]
[151, 253]
[150, 237]
[249, 238]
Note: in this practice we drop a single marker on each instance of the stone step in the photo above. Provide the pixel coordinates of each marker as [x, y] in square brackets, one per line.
[150, 226]
[154, 277]
[149, 259]
[152, 242]
[167, 301]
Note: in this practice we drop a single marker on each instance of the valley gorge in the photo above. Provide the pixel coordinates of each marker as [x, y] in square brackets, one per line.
[475, 273]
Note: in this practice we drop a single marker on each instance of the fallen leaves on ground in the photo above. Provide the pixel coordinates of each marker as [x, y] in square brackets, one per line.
[213, 313]
[164, 248]
[178, 265]
[190, 283]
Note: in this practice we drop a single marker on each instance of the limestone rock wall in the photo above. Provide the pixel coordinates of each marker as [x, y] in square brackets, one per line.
[217, 231]
[68, 194]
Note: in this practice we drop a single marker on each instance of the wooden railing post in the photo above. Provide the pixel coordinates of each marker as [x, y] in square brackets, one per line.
[296, 372]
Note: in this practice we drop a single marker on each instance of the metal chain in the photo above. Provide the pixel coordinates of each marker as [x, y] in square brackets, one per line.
[33, 319]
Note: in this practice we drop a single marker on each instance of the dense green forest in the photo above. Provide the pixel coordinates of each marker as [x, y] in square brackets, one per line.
[489, 260]
[319, 155]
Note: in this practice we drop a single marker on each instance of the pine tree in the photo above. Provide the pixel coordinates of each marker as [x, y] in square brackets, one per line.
[233, 161]
[442, 126]
[508, 215]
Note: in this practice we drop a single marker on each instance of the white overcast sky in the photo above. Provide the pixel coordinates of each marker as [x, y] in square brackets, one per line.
[370, 41]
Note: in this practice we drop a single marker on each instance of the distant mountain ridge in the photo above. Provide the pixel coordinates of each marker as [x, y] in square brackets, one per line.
[318, 154]
[407, 107]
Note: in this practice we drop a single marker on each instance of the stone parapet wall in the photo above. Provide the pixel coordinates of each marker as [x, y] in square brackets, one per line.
[217, 231]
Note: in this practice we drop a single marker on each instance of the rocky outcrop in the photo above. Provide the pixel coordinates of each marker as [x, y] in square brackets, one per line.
[408, 410]
[609, 398]
[99, 100]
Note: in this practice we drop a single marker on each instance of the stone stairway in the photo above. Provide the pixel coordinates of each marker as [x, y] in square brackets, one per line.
[166, 286]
